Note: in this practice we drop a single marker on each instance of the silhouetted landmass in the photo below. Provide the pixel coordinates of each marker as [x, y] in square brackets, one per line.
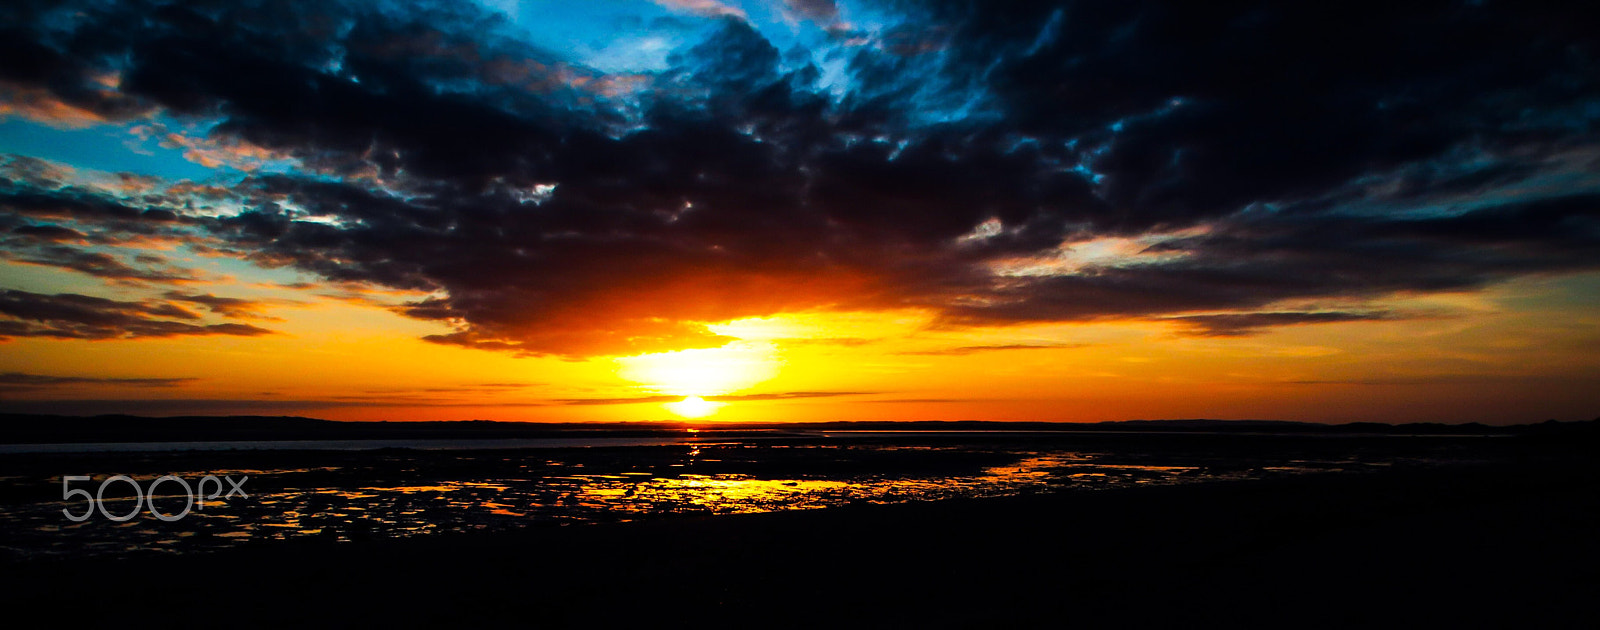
[52, 429]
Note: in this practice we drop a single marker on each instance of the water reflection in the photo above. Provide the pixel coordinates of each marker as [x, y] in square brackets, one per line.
[397, 494]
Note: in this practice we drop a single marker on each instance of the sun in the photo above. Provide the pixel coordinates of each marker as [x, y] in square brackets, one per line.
[703, 372]
[693, 407]
[700, 373]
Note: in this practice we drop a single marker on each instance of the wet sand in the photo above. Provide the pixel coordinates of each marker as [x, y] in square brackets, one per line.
[358, 495]
[1462, 546]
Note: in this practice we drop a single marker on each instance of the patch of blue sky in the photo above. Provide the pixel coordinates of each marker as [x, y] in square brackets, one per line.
[637, 36]
[137, 147]
[643, 37]
[239, 270]
[108, 147]
[614, 37]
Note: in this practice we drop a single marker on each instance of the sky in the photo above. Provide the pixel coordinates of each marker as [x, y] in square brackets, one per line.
[801, 210]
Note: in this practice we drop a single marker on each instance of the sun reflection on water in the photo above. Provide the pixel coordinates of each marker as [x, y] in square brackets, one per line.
[706, 478]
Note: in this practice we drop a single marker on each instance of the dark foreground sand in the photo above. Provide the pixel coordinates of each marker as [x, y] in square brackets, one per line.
[1458, 547]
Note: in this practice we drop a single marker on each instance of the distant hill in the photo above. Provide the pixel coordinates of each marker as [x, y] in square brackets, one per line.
[50, 429]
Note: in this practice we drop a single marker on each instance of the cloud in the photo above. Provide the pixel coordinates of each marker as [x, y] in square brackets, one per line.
[42, 198]
[1254, 103]
[48, 207]
[23, 381]
[40, 106]
[73, 316]
[1259, 161]
[211, 152]
[820, 11]
[173, 406]
[620, 401]
[233, 308]
[474, 389]
[48, 232]
[103, 265]
[1243, 324]
[94, 102]
[1254, 260]
[708, 8]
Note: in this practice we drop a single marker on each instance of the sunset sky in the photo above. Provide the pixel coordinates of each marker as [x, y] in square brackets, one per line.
[797, 210]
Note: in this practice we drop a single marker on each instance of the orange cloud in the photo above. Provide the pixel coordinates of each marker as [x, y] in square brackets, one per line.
[213, 152]
[39, 105]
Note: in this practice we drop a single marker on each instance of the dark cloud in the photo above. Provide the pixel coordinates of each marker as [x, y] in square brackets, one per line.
[1256, 259]
[1241, 324]
[73, 316]
[177, 406]
[48, 232]
[89, 227]
[1266, 152]
[110, 267]
[422, 400]
[1198, 109]
[46, 198]
[817, 10]
[24, 381]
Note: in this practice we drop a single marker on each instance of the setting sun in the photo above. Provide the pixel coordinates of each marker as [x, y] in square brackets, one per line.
[703, 372]
[693, 407]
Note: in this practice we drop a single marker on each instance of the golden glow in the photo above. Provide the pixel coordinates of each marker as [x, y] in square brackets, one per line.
[703, 372]
[1514, 351]
[693, 407]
